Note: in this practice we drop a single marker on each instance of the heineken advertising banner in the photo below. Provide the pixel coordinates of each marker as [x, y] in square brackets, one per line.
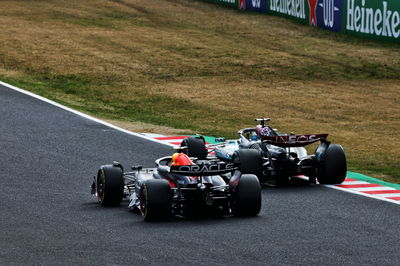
[256, 5]
[328, 14]
[377, 19]
[295, 9]
[373, 18]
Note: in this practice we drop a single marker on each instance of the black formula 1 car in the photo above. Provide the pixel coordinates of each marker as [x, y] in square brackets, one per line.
[196, 187]
[279, 157]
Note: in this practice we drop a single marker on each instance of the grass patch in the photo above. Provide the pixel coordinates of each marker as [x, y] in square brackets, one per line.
[211, 70]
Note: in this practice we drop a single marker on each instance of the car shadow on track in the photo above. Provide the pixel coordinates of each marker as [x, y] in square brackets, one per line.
[122, 213]
[298, 183]
[128, 218]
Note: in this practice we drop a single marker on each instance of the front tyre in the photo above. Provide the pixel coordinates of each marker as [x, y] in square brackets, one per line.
[155, 200]
[110, 185]
[246, 197]
[332, 170]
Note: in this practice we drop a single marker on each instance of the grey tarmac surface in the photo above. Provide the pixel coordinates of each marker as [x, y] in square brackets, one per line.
[48, 157]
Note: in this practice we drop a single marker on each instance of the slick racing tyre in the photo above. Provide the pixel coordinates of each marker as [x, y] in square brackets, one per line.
[250, 162]
[246, 197]
[196, 147]
[333, 168]
[110, 185]
[155, 200]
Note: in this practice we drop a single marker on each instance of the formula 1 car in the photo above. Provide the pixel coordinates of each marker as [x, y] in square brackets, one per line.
[283, 156]
[180, 185]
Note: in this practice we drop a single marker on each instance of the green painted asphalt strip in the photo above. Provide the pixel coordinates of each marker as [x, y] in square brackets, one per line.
[369, 179]
[209, 139]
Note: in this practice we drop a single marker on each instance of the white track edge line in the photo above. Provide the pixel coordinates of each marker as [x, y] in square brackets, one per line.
[362, 194]
[149, 138]
[354, 183]
[388, 195]
[363, 189]
[81, 114]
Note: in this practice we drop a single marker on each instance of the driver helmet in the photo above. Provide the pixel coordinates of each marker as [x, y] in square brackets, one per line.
[180, 159]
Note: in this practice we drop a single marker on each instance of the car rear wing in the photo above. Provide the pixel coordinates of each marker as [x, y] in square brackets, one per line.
[294, 140]
[204, 169]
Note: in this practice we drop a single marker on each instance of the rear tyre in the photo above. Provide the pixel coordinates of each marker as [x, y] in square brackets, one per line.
[250, 162]
[332, 169]
[155, 200]
[110, 185]
[196, 147]
[246, 197]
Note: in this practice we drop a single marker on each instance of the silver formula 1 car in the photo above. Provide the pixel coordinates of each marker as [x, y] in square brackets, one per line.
[281, 157]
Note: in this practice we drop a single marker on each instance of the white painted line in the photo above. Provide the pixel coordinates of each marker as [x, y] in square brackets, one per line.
[81, 114]
[371, 188]
[388, 195]
[163, 142]
[152, 135]
[354, 183]
[363, 194]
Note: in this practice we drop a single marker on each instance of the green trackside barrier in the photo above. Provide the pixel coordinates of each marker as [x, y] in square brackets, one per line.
[294, 9]
[230, 3]
[374, 19]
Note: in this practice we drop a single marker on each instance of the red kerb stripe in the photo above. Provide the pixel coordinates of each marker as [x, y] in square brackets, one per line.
[172, 137]
[382, 191]
[359, 185]
[395, 198]
[350, 179]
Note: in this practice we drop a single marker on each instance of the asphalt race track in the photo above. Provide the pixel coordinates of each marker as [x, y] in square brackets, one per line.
[48, 157]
